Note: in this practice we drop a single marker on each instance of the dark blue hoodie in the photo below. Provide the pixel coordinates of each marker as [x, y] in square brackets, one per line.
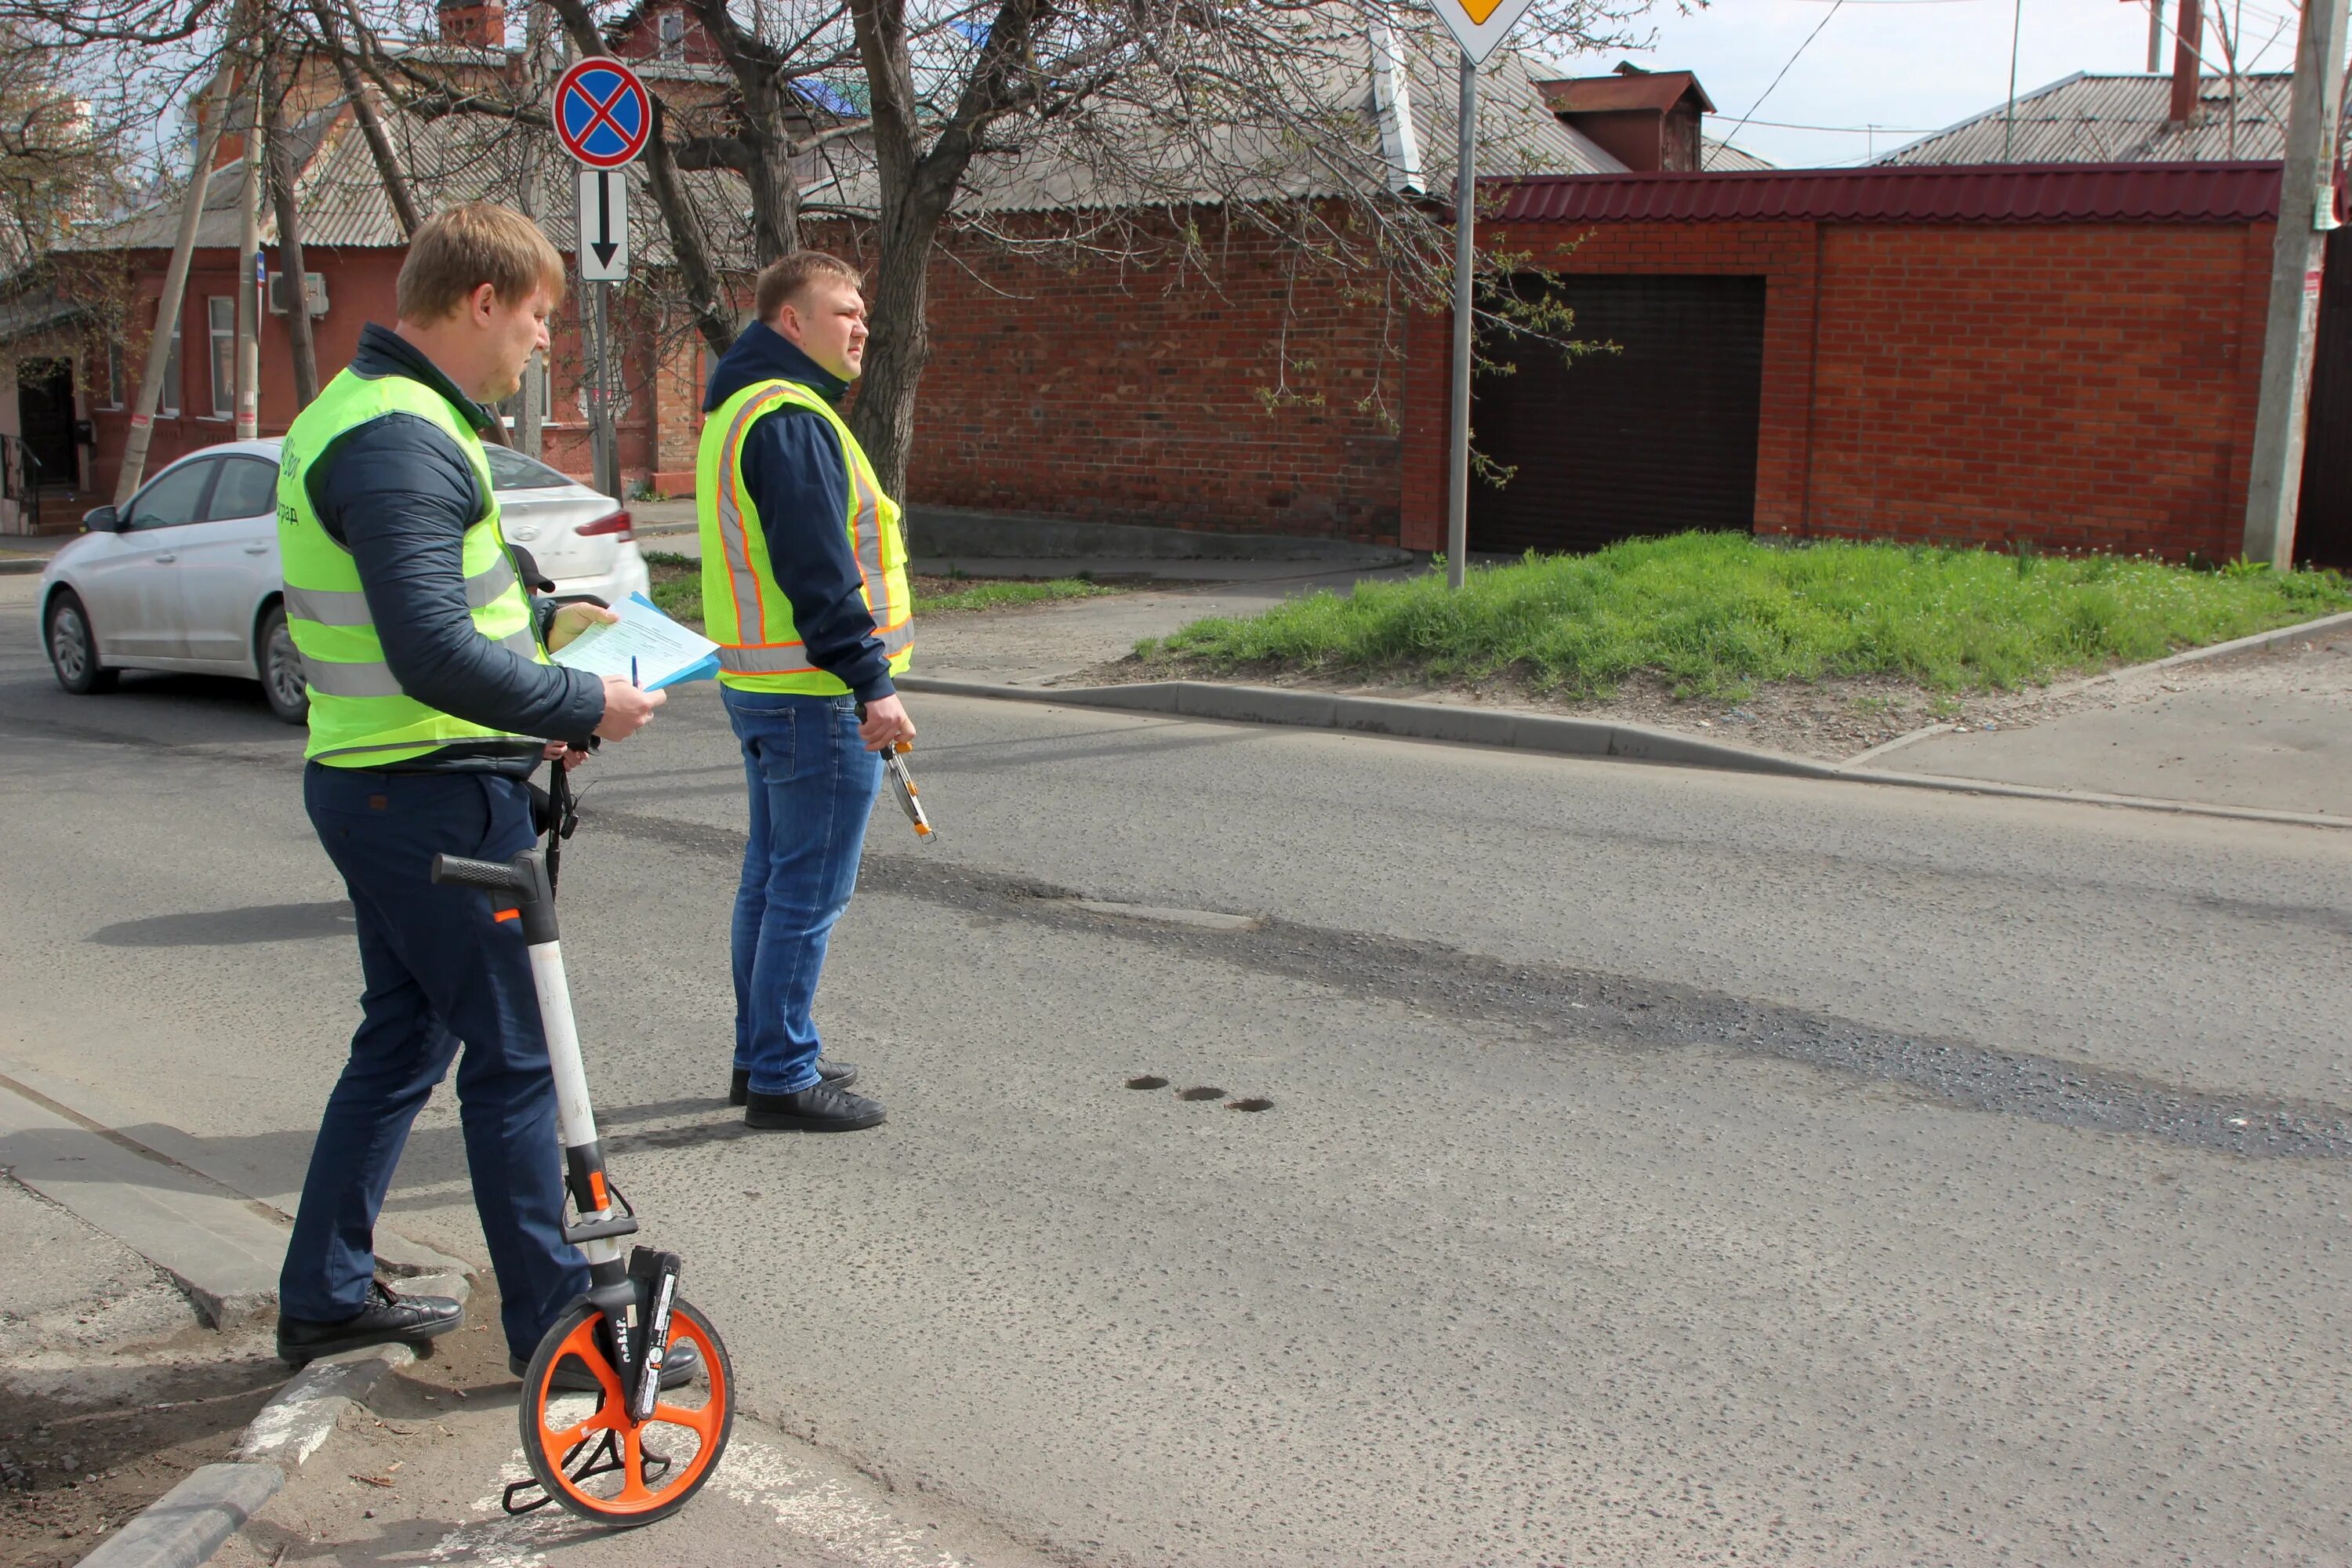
[793, 464]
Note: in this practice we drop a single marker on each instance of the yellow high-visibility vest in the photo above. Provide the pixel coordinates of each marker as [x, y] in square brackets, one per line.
[360, 718]
[744, 610]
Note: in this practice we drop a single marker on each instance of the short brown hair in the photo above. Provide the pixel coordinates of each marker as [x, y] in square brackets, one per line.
[780, 280]
[460, 248]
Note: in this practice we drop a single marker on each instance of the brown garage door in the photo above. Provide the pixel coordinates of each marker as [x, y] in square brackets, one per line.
[2323, 529]
[1657, 439]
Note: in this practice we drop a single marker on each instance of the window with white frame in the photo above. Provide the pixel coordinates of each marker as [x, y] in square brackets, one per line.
[221, 319]
[671, 25]
[114, 373]
[167, 401]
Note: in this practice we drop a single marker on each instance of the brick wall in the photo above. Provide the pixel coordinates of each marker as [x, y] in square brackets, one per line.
[2083, 386]
[1158, 396]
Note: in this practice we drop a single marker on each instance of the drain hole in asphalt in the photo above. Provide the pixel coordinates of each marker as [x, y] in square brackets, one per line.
[1253, 1103]
[1201, 1093]
[1147, 1081]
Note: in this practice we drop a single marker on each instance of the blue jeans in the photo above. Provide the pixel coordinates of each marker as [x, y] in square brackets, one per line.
[439, 970]
[813, 785]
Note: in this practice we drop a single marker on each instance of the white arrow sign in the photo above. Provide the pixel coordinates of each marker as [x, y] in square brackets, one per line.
[603, 225]
[1479, 24]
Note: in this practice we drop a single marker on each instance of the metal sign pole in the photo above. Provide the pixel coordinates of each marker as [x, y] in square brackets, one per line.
[1465, 224]
[600, 429]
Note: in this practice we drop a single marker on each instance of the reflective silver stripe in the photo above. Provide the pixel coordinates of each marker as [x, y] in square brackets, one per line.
[732, 543]
[791, 659]
[900, 638]
[364, 679]
[484, 590]
[524, 642]
[327, 606]
[868, 528]
[332, 607]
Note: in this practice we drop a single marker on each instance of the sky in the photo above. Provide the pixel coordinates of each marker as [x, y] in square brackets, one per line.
[1904, 65]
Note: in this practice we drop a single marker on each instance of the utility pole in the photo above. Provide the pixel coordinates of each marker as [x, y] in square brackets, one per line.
[2307, 212]
[529, 419]
[2154, 36]
[249, 304]
[209, 116]
[1465, 223]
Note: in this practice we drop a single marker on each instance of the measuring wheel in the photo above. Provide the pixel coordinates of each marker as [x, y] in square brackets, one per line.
[586, 1451]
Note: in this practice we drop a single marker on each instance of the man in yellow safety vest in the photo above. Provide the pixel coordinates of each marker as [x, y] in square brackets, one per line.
[805, 590]
[432, 702]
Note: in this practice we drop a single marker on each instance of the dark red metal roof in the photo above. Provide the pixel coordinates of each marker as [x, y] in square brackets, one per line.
[1985, 193]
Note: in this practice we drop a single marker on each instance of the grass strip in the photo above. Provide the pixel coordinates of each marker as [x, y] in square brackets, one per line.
[1716, 613]
[677, 590]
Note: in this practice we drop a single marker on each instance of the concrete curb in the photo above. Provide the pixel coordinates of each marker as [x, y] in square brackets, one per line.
[1559, 735]
[299, 1421]
[187, 1524]
[23, 565]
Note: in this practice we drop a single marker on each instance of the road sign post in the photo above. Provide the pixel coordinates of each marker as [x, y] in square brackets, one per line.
[1479, 26]
[603, 117]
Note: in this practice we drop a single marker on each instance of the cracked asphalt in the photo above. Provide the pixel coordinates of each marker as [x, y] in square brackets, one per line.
[1660, 1166]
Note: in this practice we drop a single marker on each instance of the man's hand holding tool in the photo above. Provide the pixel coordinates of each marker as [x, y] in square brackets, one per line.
[885, 727]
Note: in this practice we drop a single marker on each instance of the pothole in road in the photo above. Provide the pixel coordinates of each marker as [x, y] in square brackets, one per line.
[1203, 1092]
[1253, 1103]
[1146, 1081]
[1200, 919]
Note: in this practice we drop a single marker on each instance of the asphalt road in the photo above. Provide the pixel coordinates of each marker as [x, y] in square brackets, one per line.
[1661, 1166]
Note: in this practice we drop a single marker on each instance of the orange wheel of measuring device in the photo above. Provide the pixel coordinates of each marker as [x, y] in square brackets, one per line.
[590, 1456]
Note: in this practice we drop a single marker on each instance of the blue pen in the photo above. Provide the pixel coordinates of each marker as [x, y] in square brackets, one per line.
[632, 670]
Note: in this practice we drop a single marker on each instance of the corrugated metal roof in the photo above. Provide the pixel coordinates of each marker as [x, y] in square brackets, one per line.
[2243, 192]
[1717, 154]
[2086, 118]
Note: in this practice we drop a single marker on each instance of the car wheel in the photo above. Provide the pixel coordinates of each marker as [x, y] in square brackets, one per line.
[280, 663]
[73, 646]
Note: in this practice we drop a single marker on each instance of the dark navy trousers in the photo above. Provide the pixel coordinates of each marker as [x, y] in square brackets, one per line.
[440, 970]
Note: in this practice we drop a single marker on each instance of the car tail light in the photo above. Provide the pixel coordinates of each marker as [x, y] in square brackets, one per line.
[618, 523]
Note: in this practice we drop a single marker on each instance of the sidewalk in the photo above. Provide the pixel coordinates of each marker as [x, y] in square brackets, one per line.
[145, 1408]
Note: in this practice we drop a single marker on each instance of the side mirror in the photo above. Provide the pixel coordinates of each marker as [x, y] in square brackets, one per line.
[100, 519]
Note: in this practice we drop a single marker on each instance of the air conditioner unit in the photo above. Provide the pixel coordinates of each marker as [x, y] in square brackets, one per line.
[314, 287]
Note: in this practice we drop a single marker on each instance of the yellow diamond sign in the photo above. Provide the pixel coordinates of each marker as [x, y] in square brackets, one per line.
[1479, 24]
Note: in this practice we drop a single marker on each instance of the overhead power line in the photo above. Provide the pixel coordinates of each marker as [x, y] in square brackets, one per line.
[1808, 44]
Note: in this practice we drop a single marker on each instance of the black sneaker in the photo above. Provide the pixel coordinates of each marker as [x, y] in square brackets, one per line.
[827, 1108]
[385, 1319]
[841, 1075]
[679, 1364]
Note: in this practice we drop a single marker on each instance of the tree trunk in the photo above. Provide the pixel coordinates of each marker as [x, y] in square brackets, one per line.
[282, 177]
[916, 191]
[766, 99]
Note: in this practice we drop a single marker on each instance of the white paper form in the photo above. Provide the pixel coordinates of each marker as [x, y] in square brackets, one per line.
[644, 642]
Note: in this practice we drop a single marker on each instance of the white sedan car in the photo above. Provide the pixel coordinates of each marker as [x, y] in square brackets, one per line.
[185, 577]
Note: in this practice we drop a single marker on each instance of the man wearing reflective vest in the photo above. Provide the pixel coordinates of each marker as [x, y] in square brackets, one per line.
[432, 702]
[805, 590]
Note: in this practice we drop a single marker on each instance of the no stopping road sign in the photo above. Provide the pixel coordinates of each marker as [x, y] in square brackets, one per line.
[601, 113]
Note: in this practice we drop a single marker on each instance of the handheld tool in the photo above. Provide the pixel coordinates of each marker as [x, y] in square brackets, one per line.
[594, 1385]
[902, 782]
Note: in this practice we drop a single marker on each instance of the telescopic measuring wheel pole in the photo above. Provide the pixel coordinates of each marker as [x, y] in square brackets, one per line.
[1479, 26]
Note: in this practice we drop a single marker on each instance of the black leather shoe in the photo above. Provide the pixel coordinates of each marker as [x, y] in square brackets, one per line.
[841, 1075]
[827, 1108]
[680, 1364]
[385, 1319]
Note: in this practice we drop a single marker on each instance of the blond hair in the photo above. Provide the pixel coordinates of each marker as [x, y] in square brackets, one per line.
[460, 248]
[780, 281]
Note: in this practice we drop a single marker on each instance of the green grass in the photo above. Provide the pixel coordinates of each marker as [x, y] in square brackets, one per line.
[1716, 612]
[677, 589]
